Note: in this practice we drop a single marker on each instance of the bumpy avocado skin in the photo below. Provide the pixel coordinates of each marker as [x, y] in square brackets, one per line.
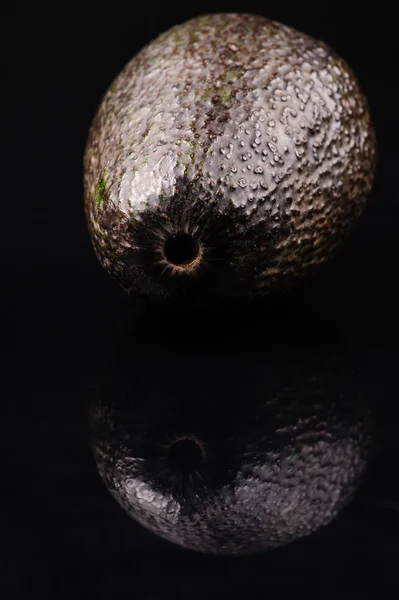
[281, 459]
[248, 135]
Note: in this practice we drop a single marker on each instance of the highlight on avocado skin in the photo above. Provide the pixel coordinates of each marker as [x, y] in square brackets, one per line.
[245, 140]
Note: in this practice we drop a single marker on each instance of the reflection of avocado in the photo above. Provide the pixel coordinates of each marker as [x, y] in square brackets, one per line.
[242, 460]
[230, 156]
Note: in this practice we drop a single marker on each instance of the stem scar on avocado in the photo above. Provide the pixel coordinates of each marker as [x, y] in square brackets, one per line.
[282, 152]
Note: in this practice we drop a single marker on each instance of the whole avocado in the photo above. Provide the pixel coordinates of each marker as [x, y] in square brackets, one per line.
[228, 158]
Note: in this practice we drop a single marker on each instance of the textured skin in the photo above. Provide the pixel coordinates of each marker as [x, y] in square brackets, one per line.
[278, 464]
[248, 135]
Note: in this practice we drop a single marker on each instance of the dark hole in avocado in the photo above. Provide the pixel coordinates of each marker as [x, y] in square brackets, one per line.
[181, 249]
[185, 456]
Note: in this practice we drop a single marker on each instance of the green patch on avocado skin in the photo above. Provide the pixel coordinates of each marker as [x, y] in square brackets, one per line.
[147, 131]
[100, 187]
[178, 38]
[223, 95]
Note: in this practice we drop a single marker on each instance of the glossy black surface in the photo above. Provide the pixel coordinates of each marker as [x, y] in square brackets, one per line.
[62, 533]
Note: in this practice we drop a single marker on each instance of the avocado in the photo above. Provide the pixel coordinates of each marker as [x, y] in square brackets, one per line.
[228, 159]
[234, 456]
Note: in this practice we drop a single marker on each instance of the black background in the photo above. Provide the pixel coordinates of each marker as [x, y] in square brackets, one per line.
[61, 533]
